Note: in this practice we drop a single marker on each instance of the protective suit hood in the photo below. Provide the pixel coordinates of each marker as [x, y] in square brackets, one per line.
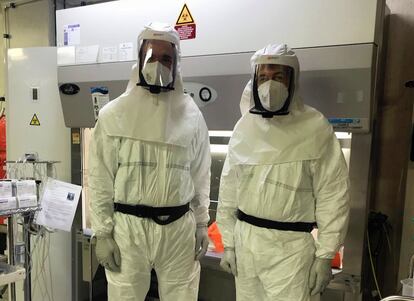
[168, 117]
[279, 55]
[300, 135]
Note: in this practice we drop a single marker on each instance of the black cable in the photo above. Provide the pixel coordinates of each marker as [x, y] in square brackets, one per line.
[377, 232]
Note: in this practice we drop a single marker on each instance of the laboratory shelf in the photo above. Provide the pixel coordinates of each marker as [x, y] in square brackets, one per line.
[19, 210]
[10, 273]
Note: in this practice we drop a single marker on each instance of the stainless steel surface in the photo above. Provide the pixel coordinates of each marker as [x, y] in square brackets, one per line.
[336, 80]
[78, 109]
[95, 72]
[217, 161]
[397, 298]
[224, 112]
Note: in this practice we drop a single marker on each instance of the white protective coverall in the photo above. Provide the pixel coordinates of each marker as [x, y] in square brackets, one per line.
[151, 149]
[288, 169]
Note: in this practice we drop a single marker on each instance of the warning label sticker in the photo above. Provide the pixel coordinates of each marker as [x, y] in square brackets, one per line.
[185, 16]
[185, 24]
[35, 121]
[186, 32]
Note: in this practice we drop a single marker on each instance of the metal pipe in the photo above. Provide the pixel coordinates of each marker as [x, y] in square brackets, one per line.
[28, 280]
[398, 298]
[10, 234]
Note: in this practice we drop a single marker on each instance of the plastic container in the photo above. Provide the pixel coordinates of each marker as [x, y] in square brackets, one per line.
[408, 287]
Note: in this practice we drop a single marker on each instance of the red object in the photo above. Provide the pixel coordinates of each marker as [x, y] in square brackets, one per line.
[336, 262]
[2, 146]
[215, 237]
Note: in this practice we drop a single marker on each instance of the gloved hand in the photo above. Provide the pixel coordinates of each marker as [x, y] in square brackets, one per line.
[201, 241]
[228, 262]
[320, 275]
[108, 254]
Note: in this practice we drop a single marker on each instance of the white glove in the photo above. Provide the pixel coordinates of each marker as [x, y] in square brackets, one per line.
[320, 275]
[201, 244]
[108, 254]
[228, 262]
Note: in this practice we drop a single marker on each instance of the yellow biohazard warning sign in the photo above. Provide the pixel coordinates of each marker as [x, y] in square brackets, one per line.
[185, 25]
[35, 120]
[185, 16]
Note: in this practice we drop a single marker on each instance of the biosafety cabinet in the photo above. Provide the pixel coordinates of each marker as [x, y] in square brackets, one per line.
[339, 45]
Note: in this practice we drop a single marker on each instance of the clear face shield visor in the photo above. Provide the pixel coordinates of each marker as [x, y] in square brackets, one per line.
[157, 65]
[271, 89]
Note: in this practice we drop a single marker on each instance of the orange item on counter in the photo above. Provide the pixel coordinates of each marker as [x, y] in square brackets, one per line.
[215, 237]
[336, 262]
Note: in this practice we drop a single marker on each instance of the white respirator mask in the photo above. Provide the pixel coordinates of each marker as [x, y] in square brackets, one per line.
[157, 74]
[273, 95]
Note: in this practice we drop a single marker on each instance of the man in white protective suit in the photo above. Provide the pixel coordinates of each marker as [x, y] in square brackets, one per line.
[284, 174]
[149, 178]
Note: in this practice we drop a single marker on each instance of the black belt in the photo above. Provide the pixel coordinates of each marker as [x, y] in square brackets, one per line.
[155, 213]
[283, 226]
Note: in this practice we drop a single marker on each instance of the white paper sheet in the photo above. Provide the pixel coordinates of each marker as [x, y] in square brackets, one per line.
[126, 51]
[8, 203]
[26, 188]
[5, 189]
[87, 54]
[58, 203]
[66, 55]
[26, 192]
[27, 201]
[108, 54]
[71, 34]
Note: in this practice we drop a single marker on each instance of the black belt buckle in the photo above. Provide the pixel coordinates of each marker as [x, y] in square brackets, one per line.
[142, 211]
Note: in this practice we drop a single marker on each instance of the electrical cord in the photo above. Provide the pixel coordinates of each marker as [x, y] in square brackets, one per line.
[372, 265]
[40, 277]
[39, 260]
